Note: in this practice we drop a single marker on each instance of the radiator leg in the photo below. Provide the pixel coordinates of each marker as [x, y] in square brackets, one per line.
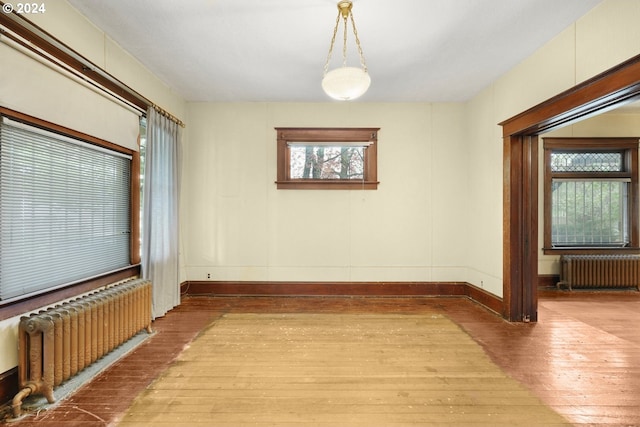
[16, 403]
[148, 303]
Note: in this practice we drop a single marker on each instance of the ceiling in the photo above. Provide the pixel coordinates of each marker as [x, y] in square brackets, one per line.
[275, 50]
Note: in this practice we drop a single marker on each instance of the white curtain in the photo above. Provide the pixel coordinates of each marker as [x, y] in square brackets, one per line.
[160, 211]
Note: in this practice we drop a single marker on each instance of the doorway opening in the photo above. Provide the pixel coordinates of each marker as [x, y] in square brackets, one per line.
[614, 87]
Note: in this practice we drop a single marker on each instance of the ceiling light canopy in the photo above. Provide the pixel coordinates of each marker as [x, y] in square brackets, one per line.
[345, 83]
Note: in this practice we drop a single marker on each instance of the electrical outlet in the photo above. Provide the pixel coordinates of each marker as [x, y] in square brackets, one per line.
[208, 275]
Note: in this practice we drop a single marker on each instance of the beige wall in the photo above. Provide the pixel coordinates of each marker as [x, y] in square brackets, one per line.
[64, 23]
[237, 226]
[61, 98]
[604, 37]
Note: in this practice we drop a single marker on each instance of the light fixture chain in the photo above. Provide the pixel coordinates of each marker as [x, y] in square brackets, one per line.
[344, 44]
[355, 33]
[333, 40]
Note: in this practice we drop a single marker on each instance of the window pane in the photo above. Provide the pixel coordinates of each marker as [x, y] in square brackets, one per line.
[589, 213]
[326, 162]
[586, 162]
[64, 210]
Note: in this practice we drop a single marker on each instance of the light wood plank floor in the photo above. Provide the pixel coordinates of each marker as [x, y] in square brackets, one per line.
[582, 358]
[348, 370]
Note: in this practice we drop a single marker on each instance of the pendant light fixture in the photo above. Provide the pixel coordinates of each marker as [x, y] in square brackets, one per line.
[345, 83]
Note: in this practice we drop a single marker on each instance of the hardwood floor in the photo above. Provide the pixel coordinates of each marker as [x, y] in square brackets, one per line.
[347, 370]
[582, 357]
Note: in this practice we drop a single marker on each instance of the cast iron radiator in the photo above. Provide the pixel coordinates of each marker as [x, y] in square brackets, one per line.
[57, 343]
[599, 271]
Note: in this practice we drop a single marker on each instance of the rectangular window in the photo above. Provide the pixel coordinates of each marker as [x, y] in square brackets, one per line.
[326, 162]
[64, 210]
[590, 212]
[327, 158]
[590, 193]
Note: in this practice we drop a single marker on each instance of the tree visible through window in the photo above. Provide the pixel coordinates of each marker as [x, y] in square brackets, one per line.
[320, 162]
[590, 193]
[337, 158]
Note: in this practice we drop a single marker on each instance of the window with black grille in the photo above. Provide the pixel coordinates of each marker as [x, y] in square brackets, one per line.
[590, 194]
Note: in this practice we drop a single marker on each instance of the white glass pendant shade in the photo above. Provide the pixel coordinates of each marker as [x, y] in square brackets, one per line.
[346, 83]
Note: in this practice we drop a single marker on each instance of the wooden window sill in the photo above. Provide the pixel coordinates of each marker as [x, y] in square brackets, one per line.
[320, 184]
[590, 251]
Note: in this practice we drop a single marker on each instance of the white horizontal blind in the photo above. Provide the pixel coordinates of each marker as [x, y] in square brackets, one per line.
[64, 210]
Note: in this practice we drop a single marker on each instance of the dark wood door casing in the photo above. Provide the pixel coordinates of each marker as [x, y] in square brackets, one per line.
[614, 87]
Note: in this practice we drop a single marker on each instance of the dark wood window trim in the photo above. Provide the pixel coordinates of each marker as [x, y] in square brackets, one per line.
[40, 41]
[629, 148]
[19, 306]
[337, 135]
[46, 125]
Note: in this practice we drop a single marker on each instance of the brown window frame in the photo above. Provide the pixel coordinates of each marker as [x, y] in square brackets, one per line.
[337, 135]
[629, 148]
[27, 303]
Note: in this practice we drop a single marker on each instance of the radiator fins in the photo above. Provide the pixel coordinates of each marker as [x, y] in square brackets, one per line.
[55, 344]
[600, 271]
